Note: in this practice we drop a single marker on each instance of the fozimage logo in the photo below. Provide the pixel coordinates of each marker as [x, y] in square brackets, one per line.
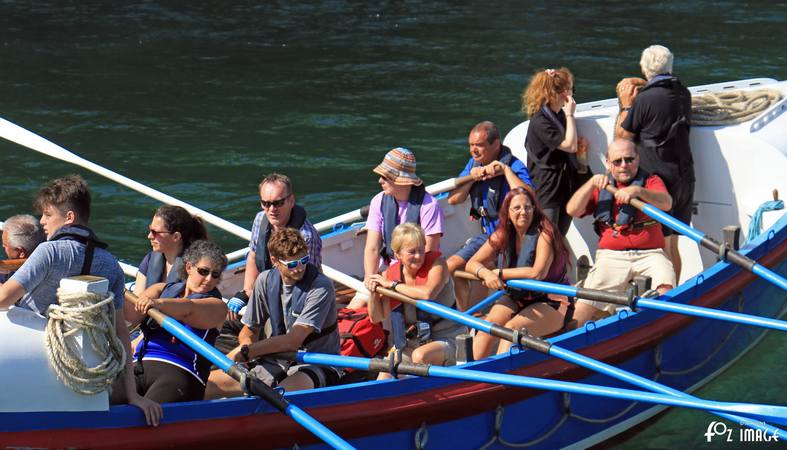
[728, 434]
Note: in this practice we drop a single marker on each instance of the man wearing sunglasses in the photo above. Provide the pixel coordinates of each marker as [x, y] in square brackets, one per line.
[631, 243]
[279, 211]
[657, 118]
[300, 303]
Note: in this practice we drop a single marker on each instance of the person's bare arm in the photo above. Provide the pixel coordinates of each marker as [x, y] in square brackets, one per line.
[578, 202]
[250, 274]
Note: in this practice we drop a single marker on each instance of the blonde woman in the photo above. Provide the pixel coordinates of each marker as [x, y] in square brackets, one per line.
[420, 275]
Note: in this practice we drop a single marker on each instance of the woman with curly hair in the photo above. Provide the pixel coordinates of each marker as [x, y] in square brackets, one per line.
[551, 138]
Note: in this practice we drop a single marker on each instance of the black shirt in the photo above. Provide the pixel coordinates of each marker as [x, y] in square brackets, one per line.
[548, 166]
[656, 108]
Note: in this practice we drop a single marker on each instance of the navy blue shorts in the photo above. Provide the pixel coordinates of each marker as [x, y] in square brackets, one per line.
[471, 246]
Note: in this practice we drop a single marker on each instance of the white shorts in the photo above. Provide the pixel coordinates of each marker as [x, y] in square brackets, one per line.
[614, 269]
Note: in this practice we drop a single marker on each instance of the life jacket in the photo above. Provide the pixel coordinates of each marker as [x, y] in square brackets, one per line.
[486, 196]
[157, 269]
[159, 345]
[273, 289]
[262, 257]
[626, 213]
[526, 257]
[83, 235]
[404, 315]
[672, 83]
[390, 212]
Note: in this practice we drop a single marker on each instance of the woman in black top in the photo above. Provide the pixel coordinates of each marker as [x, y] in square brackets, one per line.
[551, 138]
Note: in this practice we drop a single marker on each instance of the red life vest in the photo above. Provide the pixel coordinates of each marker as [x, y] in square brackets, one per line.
[394, 272]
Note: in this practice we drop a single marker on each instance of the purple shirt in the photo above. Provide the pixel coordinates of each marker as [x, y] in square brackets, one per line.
[431, 215]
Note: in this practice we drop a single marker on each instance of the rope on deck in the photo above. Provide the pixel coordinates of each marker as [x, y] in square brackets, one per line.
[91, 317]
[731, 107]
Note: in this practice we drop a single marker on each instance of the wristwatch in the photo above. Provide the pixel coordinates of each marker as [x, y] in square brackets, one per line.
[394, 284]
[244, 352]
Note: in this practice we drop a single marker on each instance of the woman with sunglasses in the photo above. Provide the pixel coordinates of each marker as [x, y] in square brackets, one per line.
[167, 370]
[171, 231]
[419, 274]
[551, 138]
[531, 247]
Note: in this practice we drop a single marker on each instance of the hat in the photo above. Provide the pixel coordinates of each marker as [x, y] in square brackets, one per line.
[399, 167]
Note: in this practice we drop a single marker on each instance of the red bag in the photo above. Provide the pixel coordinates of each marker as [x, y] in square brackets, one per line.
[359, 336]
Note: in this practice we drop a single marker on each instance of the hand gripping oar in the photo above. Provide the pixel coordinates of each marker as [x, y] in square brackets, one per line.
[724, 252]
[770, 413]
[548, 348]
[640, 302]
[247, 380]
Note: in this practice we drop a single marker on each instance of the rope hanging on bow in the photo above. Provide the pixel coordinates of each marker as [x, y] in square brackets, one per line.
[92, 317]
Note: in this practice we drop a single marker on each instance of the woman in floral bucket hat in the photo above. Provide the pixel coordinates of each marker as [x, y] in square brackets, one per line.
[403, 199]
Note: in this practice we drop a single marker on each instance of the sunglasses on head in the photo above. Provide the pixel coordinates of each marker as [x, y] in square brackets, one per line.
[157, 232]
[619, 161]
[277, 203]
[293, 264]
[204, 271]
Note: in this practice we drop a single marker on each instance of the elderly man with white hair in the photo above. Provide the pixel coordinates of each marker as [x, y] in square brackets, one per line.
[21, 235]
[656, 117]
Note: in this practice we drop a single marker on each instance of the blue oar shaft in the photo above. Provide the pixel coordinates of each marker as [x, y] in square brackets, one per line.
[708, 242]
[771, 413]
[567, 355]
[221, 361]
[483, 303]
[647, 303]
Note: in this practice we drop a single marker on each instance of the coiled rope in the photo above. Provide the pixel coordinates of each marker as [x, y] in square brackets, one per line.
[95, 315]
[731, 107]
[755, 226]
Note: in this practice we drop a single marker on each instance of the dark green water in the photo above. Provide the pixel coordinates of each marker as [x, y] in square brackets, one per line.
[200, 101]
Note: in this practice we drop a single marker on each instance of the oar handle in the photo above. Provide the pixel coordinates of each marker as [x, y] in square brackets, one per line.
[12, 264]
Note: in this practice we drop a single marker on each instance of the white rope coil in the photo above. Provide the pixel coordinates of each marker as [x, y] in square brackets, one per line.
[731, 107]
[95, 315]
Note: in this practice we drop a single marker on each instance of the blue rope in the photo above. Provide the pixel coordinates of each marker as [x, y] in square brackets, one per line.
[755, 226]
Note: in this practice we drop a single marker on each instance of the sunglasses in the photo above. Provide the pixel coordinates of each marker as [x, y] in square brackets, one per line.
[157, 232]
[277, 203]
[628, 159]
[293, 264]
[204, 271]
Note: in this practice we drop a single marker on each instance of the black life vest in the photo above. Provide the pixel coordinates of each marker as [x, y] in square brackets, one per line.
[390, 212]
[157, 269]
[262, 257]
[486, 196]
[83, 235]
[273, 289]
[606, 202]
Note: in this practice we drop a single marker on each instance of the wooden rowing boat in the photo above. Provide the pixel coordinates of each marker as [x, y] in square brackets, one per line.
[738, 166]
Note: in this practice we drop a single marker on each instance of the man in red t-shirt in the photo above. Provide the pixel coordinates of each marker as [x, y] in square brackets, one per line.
[631, 243]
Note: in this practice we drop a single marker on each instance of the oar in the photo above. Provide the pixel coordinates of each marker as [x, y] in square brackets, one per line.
[548, 348]
[362, 213]
[25, 138]
[770, 413]
[483, 303]
[10, 265]
[247, 380]
[640, 302]
[649, 303]
[723, 251]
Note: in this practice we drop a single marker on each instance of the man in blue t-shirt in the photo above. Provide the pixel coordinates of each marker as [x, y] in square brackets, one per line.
[495, 171]
[64, 204]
